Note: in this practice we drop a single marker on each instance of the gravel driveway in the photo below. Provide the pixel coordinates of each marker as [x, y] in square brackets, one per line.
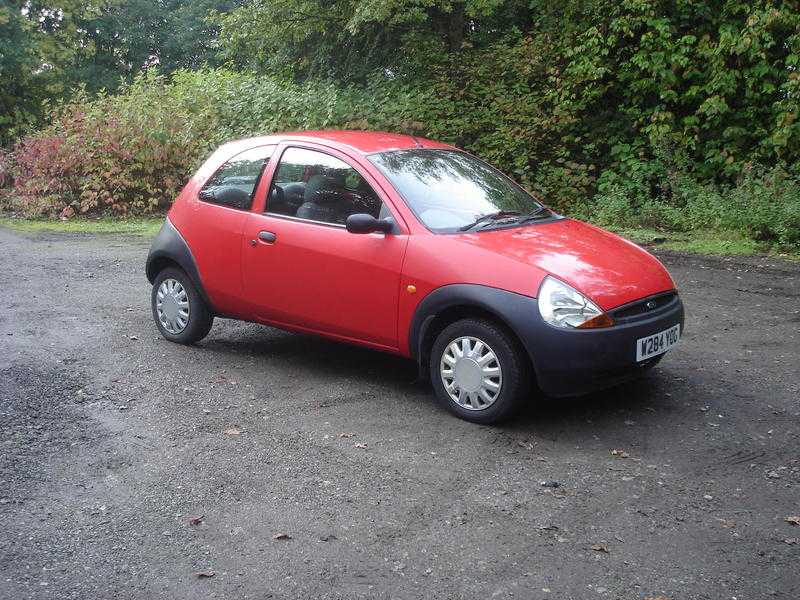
[113, 439]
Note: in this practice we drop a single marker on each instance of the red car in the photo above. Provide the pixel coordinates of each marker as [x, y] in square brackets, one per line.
[412, 247]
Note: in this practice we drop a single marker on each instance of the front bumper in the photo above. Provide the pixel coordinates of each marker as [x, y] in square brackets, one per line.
[567, 362]
[571, 362]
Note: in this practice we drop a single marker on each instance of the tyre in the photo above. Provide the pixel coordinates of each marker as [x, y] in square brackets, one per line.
[179, 310]
[478, 371]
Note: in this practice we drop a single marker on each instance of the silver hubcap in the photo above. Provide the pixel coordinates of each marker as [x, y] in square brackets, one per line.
[172, 306]
[471, 373]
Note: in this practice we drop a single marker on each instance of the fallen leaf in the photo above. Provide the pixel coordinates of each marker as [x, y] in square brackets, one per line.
[726, 523]
[656, 598]
[346, 435]
[196, 520]
[232, 431]
[620, 453]
[600, 548]
[281, 536]
[527, 445]
[361, 446]
[790, 541]
[133, 337]
[793, 520]
[204, 574]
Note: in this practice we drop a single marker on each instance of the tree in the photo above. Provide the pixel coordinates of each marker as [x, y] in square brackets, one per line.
[51, 47]
[351, 40]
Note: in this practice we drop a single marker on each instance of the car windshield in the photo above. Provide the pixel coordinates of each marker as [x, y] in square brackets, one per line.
[451, 191]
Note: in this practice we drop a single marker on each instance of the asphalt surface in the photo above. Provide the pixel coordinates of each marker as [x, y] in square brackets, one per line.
[111, 439]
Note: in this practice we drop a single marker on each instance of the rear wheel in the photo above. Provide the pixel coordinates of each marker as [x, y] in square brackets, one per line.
[478, 372]
[179, 311]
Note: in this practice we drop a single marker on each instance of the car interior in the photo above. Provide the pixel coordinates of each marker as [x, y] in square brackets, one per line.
[325, 195]
[312, 186]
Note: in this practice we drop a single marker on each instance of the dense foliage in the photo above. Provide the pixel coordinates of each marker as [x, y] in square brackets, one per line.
[50, 48]
[674, 114]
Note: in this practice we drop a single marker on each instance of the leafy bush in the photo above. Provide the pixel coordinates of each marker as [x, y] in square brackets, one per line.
[533, 106]
[130, 153]
[122, 154]
[763, 206]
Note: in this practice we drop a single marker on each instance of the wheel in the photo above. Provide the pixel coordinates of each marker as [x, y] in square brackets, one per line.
[179, 311]
[478, 371]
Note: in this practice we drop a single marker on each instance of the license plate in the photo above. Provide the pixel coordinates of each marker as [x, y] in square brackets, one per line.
[658, 343]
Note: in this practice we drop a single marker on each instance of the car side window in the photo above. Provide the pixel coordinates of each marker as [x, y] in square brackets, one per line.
[234, 182]
[319, 187]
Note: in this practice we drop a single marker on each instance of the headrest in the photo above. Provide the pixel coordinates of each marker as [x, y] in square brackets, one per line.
[321, 189]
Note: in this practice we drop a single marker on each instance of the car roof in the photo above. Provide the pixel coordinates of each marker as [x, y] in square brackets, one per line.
[364, 142]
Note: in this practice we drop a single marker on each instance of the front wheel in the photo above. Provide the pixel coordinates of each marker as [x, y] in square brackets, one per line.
[178, 308]
[478, 372]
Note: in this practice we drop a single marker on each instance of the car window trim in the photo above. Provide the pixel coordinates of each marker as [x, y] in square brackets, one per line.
[322, 150]
[302, 220]
[255, 185]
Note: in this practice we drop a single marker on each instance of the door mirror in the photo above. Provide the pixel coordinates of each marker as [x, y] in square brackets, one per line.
[364, 223]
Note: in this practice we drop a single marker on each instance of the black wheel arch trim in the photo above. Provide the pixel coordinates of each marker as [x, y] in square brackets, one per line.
[169, 245]
[507, 307]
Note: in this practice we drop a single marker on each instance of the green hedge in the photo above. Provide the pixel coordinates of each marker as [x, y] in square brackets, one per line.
[130, 153]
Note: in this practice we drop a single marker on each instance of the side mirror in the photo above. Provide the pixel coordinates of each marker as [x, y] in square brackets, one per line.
[364, 223]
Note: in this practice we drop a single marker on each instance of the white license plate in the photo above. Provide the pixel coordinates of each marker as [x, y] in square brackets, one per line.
[658, 343]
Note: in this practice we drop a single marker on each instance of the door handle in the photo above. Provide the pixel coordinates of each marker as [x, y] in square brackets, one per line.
[267, 236]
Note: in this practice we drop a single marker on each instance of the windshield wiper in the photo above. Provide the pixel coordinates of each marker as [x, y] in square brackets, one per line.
[488, 218]
[539, 213]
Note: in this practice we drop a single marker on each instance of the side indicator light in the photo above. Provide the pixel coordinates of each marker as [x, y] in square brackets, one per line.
[597, 322]
[411, 289]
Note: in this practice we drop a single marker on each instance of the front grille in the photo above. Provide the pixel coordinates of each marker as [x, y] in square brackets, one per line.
[646, 306]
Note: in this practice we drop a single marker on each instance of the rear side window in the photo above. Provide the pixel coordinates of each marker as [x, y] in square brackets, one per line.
[234, 182]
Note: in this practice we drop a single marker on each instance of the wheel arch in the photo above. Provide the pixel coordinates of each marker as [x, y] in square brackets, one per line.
[452, 303]
[169, 249]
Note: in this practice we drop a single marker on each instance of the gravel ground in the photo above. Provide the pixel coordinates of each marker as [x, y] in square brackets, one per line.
[112, 439]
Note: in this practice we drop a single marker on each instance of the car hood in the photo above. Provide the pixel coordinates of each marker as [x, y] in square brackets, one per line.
[608, 269]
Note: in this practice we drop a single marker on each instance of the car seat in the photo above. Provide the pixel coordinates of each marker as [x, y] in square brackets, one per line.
[322, 200]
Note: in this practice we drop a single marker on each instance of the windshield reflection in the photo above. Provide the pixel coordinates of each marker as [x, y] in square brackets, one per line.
[450, 190]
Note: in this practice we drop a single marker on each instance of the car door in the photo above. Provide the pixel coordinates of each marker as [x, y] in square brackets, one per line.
[303, 269]
[213, 221]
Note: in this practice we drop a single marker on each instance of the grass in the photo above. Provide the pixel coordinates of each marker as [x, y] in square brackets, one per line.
[697, 242]
[143, 226]
[703, 242]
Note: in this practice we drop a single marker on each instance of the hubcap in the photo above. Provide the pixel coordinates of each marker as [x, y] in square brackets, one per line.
[172, 306]
[471, 373]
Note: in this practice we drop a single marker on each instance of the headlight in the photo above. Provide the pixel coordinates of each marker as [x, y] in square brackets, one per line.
[562, 306]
